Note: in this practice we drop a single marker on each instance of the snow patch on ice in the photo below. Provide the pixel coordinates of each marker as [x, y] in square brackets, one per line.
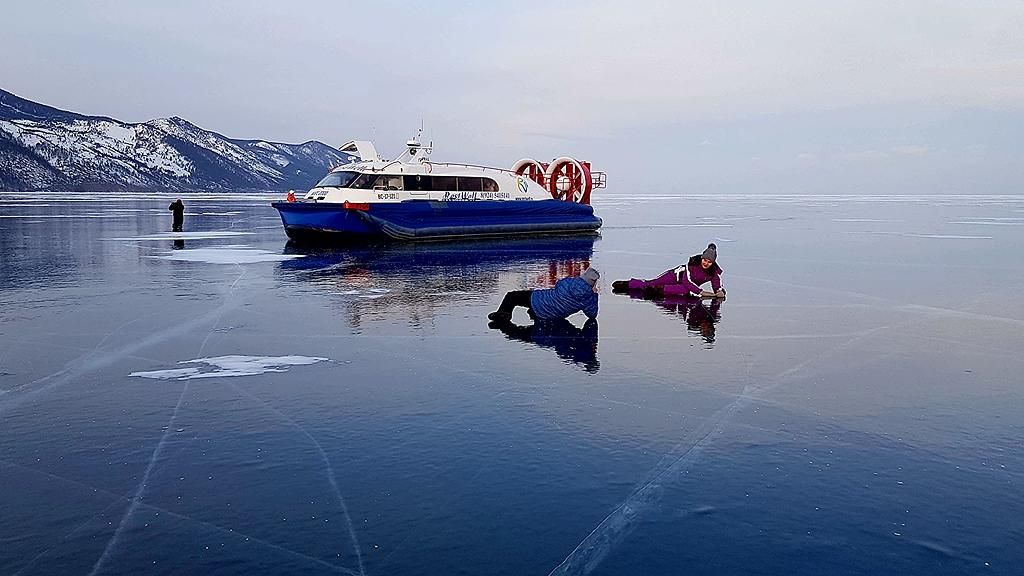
[67, 216]
[946, 236]
[922, 235]
[369, 293]
[863, 220]
[227, 256]
[701, 225]
[990, 222]
[208, 235]
[234, 365]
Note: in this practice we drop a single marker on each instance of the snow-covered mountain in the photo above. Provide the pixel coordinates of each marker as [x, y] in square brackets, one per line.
[43, 148]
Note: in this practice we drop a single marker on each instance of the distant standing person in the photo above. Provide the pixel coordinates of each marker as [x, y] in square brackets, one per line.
[178, 215]
[569, 296]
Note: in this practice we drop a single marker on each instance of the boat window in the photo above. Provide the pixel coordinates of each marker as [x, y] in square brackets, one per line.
[490, 185]
[470, 184]
[418, 183]
[389, 183]
[364, 181]
[444, 183]
[337, 179]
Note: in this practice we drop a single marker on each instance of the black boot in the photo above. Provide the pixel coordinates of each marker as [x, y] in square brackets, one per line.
[499, 316]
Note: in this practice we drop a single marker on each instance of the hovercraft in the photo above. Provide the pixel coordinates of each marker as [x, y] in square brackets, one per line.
[412, 198]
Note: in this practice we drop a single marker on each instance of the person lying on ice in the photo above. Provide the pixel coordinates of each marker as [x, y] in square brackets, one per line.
[569, 296]
[682, 280]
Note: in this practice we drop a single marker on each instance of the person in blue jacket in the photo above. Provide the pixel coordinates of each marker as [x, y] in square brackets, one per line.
[569, 296]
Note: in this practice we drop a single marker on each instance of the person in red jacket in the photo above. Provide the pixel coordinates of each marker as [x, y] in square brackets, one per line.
[683, 280]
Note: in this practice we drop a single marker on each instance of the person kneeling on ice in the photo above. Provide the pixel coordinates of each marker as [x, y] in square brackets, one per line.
[569, 296]
[682, 280]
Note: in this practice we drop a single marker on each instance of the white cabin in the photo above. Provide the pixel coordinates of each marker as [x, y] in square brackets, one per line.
[412, 176]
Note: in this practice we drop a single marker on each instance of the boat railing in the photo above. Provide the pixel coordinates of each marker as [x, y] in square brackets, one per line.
[503, 170]
[598, 179]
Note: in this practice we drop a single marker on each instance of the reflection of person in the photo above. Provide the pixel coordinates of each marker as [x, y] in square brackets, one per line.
[177, 215]
[682, 280]
[178, 243]
[569, 342]
[569, 296]
[699, 318]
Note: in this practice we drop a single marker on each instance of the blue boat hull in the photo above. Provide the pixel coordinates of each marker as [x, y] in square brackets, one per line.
[431, 220]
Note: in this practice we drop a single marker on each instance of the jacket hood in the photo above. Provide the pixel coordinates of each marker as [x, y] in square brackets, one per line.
[580, 287]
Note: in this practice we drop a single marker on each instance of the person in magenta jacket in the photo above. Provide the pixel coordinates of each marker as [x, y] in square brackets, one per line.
[683, 280]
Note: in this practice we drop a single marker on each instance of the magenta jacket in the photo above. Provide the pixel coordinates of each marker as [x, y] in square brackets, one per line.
[683, 280]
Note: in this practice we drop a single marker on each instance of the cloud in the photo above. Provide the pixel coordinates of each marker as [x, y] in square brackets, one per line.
[617, 83]
[910, 150]
[863, 156]
[527, 67]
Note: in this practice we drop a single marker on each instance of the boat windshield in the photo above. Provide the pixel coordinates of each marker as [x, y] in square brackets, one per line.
[364, 181]
[337, 180]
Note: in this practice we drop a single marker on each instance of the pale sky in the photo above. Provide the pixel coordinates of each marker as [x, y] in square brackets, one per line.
[861, 97]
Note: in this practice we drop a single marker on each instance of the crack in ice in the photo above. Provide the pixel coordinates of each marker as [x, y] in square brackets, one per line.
[589, 553]
[122, 498]
[328, 468]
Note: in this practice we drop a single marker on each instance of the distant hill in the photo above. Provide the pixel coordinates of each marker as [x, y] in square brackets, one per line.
[43, 148]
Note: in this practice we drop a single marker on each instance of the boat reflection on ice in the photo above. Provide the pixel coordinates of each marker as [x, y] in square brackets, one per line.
[421, 281]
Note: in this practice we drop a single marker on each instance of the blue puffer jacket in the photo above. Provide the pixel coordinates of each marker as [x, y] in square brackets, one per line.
[570, 295]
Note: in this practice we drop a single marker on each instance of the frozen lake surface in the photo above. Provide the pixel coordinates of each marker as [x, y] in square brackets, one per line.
[218, 401]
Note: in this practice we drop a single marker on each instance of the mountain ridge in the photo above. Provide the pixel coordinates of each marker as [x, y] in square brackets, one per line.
[46, 148]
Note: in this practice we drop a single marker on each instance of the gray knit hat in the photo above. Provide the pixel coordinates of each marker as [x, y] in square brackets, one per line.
[590, 275]
[711, 252]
